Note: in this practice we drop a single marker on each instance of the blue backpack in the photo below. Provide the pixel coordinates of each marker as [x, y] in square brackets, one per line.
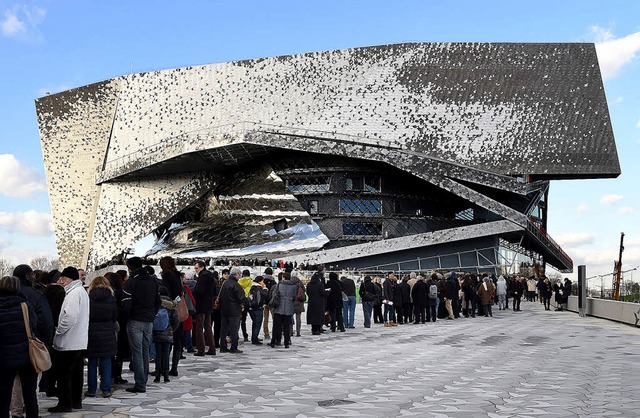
[161, 321]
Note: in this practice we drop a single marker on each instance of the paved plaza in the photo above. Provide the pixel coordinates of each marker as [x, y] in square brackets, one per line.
[525, 364]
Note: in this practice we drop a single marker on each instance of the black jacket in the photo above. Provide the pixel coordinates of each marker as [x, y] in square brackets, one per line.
[171, 280]
[334, 299]
[348, 287]
[103, 314]
[315, 301]
[44, 329]
[204, 291]
[14, 346]
[141, 299]
[368, 291]
[405, 289]
[55, 297]
[231, 297]
[419, 293]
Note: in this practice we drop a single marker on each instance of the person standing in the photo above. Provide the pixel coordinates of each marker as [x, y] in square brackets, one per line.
[283, 311]
[268, 281]
[315, 304]
[388, 291]
[485, 293]
[419, 298]
[257, 298]
[140, 303]
[173, 282]
[116, 281]
[501, 291]
[432, 298]
[517, 291]
[348, 306]
[405, 290]
[203, 292]
[232, 299]
[102, 346]
[298, 303]
[367, 296]
[245, 282]
[69, 342]
[545, 293]
[14, 348]
[377, 303]
[334, 302]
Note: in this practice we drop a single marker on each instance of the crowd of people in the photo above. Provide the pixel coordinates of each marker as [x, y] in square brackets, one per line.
[134, 316]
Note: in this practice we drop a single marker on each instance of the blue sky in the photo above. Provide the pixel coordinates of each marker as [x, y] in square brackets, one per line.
[50, 46]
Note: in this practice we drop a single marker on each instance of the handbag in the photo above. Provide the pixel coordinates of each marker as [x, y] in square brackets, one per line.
[181, 308]
[217, 303]
[38, 353]
[345, 298]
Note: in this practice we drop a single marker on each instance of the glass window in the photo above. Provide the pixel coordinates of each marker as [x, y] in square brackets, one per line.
[465, 215]
[313, 207]
[362, 228]
[353, 183]
[372, 184]
[308, 184]
[360, 206]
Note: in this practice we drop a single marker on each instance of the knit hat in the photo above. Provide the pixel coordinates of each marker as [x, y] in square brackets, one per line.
[71, 273]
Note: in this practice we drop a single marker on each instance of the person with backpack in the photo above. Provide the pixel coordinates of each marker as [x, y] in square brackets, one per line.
[164, 326]
[257, 298]
[432, 298]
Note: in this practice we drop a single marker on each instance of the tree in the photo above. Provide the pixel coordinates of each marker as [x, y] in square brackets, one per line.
[45, 264]
[6, 267]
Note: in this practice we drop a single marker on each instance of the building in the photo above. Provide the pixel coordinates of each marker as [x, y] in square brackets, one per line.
[407, 156]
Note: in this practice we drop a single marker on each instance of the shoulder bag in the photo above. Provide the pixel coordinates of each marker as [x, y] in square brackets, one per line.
[38, 353]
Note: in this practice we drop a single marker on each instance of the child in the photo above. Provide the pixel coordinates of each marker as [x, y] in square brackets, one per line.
[164, 325]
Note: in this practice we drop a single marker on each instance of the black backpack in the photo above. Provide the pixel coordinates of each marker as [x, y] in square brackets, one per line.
[255, 297]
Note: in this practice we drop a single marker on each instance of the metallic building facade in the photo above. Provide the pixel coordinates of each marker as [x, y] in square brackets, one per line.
[360, 157]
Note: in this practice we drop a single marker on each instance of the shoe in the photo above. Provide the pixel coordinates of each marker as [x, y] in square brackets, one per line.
[246, 339]
[157, 379]
[236, 351]
[166, 378]
[182, 357]
[286, 346]
[173, 372]
[315, 332]
[272, 345]
[343, 330]
[136, 390]
[77, 405]
[200, 354]
[58, 408]
[386, 324]
[298, 334]
[210, 353]
[88, 394]
[256, 343]
[120, 381]
[393, 324]
[106, 394]
[266, 336]
[191, 351]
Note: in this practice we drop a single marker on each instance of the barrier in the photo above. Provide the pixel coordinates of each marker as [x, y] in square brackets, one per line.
[625, 312]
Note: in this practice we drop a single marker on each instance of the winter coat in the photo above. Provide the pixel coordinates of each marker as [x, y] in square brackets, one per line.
[419, 293]
[452, 287]
[298, 305]
[287, 296]
[468, 288]
[546, 290]
[166, 336]
[232, 298]
[348, 286]
[141, 299]
[531, 285]
[379, 293]
[187, 325]
[55, 297]
[501, 287]
[388, 288]
[172, 281]
[405, 289]
[73, 325]
[246, 283]
[44, 329]
[268, 281]
[334, 299]
[14, 345]
[516, 288]
[315, 302]
[204, 292]
[103, 315]
[398, 296]
[257, 291]
[368, 291]
[431, 302]
[486, 292]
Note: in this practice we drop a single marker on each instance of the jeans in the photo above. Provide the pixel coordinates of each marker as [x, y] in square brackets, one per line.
[256, 323]
[389, 313]
[140, 343]
[229, 326]
[367, 309]
[29, 382]
[104, 365]
[349, 311]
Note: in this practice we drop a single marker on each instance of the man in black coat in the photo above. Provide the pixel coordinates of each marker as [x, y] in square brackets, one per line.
[405, 289]
[334, 302]
[232, 299]
[419, 297]
[367, 296]
[140, 303]
[44, 329]
[204, 292]
[315, 304]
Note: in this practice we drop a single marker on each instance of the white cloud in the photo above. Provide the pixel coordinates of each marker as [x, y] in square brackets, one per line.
[574, 239]
[582, 208]
[619, 100]
[614, 53]
[28, 223]
[625, 210]
[22, 22]
[18, 179]
[4, 243]
[610, 199]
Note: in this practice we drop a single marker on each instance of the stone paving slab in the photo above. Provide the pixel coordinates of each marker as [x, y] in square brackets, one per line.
[517, 364]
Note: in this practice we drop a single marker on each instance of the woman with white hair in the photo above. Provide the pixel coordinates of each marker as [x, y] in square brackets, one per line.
[501, 291]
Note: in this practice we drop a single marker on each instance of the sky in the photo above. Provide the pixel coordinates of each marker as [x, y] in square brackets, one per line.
[49, 46]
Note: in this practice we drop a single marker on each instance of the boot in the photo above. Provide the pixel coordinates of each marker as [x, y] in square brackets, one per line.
[157, 378]
[166, 378]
